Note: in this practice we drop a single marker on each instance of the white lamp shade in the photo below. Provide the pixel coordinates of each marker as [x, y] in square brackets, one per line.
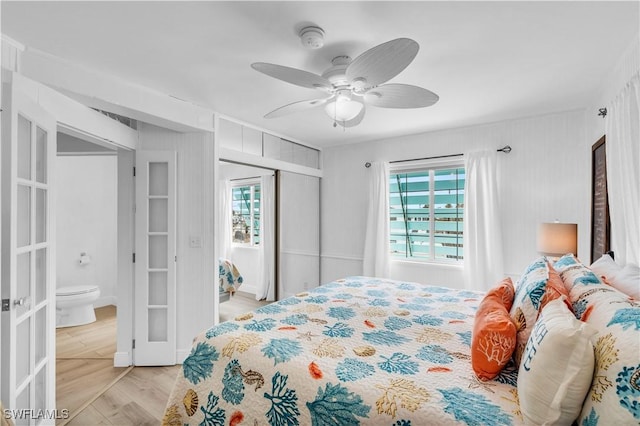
[343, 109]
[557, 239]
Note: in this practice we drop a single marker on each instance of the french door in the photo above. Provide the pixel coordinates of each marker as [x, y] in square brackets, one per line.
[155, 258]
[28, 260]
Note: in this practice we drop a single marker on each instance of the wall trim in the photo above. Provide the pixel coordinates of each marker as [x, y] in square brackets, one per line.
[232, 156]
[341, 257]
[299, 253]
[247, 288]
[86, 154]
[122, 359]
[105, 301]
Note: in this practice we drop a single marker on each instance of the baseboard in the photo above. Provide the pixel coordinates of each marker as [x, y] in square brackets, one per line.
[248, 289]
[122, 359]
[105, 301]
[181, 355]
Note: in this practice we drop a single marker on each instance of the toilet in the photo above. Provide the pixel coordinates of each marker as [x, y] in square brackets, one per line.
[74, 305]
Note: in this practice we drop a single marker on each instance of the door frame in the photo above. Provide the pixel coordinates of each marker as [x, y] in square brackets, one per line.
[74, 116]
[78, 120]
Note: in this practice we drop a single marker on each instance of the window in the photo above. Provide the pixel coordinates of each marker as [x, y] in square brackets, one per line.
[426, 213]
[246, 214]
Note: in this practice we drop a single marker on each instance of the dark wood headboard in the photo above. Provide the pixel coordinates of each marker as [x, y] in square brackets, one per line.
[600, 222]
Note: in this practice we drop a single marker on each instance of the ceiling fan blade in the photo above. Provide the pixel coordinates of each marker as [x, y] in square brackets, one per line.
[293, 76]
[382, 63]
[400, 96]
[297, 107]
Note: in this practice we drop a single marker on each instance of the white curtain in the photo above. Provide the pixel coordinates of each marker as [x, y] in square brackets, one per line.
[622, 130]
[266, 288]
[376, 242]
[483, 258]
[225, 218]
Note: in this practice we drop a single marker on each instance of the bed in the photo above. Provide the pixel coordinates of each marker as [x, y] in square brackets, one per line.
[354, 351]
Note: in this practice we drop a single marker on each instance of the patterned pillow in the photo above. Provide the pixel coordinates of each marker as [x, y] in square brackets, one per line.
[494, 333]
[555, 289]
[614, 395]
[230, 278]
[538, 285]
[556, 369]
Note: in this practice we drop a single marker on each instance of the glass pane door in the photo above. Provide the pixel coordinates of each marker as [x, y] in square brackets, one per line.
[155, 258]
[28, 350]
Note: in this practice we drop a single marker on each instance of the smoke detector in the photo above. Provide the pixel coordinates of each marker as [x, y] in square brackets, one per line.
[312, 37]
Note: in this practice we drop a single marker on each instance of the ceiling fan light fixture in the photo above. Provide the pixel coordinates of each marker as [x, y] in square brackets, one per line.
[343, 108]
[312, 37]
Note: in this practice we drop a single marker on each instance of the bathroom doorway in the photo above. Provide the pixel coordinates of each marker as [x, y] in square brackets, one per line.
[86, 261]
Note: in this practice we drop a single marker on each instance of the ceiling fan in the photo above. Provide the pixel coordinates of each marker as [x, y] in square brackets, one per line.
[349, 85]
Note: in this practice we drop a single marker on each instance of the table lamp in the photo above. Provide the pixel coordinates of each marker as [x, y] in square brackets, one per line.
[557, 239]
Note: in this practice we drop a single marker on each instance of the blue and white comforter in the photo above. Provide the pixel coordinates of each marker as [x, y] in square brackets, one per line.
[355, 351]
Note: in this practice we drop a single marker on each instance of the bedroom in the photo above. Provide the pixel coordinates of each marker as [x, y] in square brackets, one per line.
[574, 57]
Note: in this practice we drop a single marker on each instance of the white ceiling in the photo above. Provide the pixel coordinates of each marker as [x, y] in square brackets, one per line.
[487, 61]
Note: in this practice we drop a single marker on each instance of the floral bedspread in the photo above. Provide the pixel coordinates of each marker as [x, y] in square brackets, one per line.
[355, 351]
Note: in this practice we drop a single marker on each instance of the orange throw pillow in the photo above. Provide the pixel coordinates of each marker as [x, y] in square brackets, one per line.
[554, 289]
[494, 333]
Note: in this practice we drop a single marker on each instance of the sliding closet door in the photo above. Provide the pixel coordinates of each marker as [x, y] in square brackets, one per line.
[155, 259]
[298, 233]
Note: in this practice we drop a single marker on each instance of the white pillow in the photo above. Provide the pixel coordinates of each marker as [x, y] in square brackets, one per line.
[557, 367]
[626, 280]
[605, 266]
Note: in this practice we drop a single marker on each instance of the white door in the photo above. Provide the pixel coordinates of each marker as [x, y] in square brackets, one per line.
[28, 259]
[299, 233]
[155, 259]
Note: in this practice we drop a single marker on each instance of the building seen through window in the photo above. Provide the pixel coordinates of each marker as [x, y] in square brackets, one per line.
[246, 215]
[426, 213]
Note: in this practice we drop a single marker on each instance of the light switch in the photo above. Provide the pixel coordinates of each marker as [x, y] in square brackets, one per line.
[195, 241]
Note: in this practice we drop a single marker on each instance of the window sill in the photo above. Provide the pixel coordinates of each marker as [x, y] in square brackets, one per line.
[243, 246]
[456, 265]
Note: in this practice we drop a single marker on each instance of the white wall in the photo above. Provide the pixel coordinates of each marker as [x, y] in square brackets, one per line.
[612, 84]
[545, 177]
[86, 213]
[247, 260]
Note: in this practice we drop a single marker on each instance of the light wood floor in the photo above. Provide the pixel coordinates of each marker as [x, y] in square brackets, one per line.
[239, 304]
[138, 398]
[94, 341]
[96, 393]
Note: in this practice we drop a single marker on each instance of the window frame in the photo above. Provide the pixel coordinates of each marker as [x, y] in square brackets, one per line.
[252, 183]
[431, 166]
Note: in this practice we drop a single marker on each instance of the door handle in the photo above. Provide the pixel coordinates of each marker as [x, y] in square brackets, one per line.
[23, 301]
